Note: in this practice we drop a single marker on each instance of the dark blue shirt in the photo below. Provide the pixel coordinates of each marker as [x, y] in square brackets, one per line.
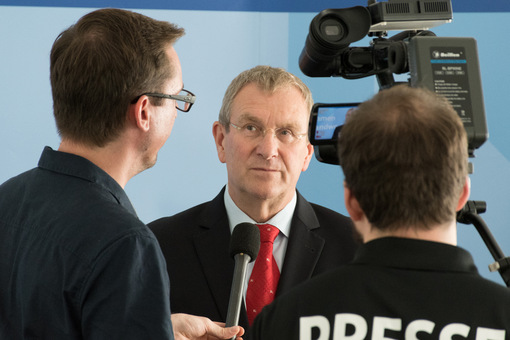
[75, 261]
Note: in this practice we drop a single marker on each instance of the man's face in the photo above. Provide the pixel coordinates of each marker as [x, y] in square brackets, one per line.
[264, 168]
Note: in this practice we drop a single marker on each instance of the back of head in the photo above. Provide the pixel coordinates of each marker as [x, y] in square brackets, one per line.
[268, 79]
[404, 157]
[101, 64]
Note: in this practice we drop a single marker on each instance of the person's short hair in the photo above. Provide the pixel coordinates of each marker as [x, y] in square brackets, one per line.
[100, 65]
[404, 155]
[268, 79]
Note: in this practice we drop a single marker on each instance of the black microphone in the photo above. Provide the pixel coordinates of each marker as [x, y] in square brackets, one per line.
[244, 247]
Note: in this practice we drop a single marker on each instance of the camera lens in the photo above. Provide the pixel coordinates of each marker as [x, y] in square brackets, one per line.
[332, 30]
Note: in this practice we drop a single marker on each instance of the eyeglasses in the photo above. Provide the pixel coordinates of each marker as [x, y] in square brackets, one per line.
[183, 101]
[253, 131]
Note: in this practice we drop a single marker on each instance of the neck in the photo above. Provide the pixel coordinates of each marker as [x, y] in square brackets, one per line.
[114, 158]
[444, 233]
[260, 210]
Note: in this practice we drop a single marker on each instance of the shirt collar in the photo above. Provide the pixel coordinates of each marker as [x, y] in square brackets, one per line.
[80, 167]
[282, 220]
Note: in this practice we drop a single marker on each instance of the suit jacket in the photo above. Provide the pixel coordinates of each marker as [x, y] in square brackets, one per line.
[196, 244]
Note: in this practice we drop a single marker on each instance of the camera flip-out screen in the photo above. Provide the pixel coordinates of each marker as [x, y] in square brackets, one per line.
[327, 120]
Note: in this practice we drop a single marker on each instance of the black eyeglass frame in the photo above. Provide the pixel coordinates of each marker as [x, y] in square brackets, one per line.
[188, 98]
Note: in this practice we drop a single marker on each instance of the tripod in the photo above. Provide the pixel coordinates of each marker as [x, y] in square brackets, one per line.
[469, 214]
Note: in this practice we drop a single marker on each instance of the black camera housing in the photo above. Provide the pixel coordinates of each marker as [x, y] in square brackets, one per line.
[447, 66]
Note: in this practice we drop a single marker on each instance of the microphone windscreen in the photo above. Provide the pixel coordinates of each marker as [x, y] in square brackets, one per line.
[245, 239]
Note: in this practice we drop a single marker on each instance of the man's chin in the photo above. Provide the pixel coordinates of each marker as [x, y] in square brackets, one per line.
[265, 192]
[148, 163]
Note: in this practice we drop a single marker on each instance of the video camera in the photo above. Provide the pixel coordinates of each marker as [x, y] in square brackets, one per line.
[445, 65]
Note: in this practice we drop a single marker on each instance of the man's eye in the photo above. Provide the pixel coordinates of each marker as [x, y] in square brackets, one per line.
[286, 132]
[251, 128]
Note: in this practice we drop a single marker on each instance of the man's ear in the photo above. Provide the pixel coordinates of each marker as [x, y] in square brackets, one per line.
[219, 134]
[352, 205]
[464, 196]
[308, 157]
[140, 113]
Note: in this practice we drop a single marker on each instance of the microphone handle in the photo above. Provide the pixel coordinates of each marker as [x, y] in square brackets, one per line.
[236, 293]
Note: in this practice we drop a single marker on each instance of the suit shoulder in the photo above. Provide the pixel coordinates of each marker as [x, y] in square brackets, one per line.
[186, 217]
[326, 213]
[336, 226]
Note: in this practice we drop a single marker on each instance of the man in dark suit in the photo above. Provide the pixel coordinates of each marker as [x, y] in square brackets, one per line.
[261, 135]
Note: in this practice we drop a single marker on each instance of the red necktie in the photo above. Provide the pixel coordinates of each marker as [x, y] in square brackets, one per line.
[265, 274]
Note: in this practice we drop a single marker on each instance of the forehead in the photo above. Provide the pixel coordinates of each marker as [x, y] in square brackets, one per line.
[285, 105]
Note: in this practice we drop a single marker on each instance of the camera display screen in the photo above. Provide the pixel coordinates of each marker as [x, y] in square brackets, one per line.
[326, 121]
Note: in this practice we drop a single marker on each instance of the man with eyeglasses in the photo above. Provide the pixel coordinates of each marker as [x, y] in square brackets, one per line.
[261, 136]
[75, 261]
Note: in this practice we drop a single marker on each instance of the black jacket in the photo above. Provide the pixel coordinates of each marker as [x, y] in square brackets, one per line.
[195, 244]
[395, 288]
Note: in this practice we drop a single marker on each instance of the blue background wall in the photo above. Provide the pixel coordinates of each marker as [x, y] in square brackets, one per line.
[224, 38]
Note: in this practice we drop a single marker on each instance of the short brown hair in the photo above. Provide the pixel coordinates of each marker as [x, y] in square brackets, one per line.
[100, 64]
[404, 155]
[267, 78]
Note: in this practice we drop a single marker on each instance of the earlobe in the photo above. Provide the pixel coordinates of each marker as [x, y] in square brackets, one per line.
[219, 132]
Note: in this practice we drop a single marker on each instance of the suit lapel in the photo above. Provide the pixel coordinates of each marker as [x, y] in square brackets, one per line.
[213, 242]
[212, 246]
[304, 247]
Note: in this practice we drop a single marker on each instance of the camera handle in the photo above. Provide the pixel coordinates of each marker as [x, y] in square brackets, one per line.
[469, 214]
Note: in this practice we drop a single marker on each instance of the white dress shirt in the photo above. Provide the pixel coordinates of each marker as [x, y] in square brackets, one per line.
[281, 220]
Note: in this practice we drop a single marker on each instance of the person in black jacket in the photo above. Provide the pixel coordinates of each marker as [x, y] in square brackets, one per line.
[261, 135]
[404, 155]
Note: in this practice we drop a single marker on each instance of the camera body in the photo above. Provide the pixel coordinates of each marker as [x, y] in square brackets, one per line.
[446, 65]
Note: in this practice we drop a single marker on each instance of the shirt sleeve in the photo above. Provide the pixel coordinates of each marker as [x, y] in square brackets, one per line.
[127, 293]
